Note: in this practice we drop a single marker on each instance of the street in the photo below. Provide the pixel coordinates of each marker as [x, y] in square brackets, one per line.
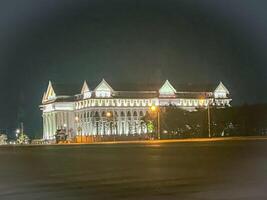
[233, 169]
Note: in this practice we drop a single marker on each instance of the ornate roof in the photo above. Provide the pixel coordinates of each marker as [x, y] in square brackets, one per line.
[70, 92]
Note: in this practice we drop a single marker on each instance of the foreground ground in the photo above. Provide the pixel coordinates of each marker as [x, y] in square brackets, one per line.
[207, 169]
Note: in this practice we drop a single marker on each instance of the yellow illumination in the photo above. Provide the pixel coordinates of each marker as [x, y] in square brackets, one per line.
[153, 108]
[201, 101]
[108, 114]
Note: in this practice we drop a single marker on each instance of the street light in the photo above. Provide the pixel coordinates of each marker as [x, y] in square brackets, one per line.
[156, 109]
[78, 128]
[208, 109]
[17, 132]
[108, 114]
[66, 130]
[110, 119]
[153, 108]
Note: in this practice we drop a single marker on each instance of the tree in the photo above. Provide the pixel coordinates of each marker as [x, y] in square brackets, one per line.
[150, 122]
[23, 139]
[229, 121]
[150, 127]
[3, 139]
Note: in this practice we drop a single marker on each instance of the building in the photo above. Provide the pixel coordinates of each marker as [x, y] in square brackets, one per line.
[106, 111]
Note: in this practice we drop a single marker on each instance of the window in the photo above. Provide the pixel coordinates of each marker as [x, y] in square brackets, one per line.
[103, 93]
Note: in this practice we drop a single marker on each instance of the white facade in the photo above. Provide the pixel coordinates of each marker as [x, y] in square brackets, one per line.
[104, 111]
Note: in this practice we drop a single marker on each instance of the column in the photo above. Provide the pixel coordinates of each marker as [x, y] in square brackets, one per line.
[44, 127]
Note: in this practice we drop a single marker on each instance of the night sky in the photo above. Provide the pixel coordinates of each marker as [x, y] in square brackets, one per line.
[142, 41]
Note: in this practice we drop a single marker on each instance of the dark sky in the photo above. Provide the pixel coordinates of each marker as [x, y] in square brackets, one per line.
[128, 41]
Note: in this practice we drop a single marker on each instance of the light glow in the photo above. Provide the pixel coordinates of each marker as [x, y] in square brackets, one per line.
[153, 108]
[108, 114]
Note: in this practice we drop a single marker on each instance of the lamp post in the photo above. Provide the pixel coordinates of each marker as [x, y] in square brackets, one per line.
[208, 113]
[110, 118]
[66, 130]
[17, 132]
[209, 120]
[157, 110]
[78, 127]
[22, 128]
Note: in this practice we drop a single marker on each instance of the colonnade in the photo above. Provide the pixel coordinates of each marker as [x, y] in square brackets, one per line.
[110, 122]
[49, 125]
[93, 122]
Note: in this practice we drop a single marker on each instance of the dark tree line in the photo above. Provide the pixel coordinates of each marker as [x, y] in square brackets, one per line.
[246, 120]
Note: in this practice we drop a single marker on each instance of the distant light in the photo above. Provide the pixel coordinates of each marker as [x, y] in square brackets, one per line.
[17, 131]
[76, 118]
[65, 125]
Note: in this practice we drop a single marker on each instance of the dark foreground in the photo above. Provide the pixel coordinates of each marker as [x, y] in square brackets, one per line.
[194, 170]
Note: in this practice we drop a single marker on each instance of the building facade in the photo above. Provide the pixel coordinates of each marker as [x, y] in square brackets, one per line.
[105, 111]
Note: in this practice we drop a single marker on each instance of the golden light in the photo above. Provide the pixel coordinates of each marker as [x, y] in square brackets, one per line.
[153, 108]
[201, 101]
[108, 114]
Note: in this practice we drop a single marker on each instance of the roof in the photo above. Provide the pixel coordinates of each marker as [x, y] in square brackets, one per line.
[127, 86]
[193, 95]
[65, 99]
[136, 94]
[189, 87]
[70, 92]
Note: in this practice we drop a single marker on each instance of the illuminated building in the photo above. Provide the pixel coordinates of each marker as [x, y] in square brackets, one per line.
[105, 111]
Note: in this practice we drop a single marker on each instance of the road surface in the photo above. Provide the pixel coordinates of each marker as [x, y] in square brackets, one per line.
[233, 169]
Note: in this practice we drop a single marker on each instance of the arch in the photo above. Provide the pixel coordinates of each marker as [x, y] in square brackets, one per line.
[115, 113]
[141, 113]
[128, 114]
[96, 114]
[103, 114]
[122, 114]
[135, 114]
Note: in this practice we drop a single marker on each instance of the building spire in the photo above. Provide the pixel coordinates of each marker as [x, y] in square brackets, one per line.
[85, 87]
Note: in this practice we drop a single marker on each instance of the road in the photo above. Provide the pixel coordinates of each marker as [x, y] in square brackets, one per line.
[232, 169]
